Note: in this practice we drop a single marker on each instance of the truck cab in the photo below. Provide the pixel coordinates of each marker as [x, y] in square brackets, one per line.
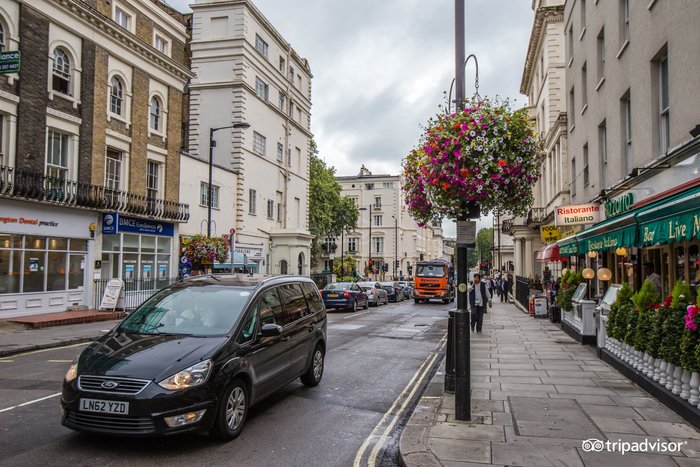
[434, 280]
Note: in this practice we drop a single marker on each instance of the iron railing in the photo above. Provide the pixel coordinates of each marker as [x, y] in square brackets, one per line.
[136, 291]
[32, 185]
[522, 291]
[536, 215]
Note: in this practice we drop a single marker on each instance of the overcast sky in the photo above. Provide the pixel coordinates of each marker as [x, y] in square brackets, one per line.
[381, 68]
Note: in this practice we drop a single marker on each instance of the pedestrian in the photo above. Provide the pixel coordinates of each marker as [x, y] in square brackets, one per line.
[651, 275]
[479, 298]
[504, 290]
[497, 285]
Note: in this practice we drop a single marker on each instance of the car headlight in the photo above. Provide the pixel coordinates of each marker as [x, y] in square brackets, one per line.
[189, 377]
[72, 372]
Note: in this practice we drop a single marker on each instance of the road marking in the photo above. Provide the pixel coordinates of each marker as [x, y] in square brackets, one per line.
[6, 361]
[355, 315]
[50, 349]
[406, 395]
[30, 402]
[59, 361]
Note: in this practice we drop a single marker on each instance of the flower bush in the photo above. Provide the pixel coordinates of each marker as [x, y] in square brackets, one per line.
[200, 249]
[487, 155]
[567, 287]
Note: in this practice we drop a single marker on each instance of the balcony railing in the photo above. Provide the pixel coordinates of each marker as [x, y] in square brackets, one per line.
[32, 185]
[536, 215]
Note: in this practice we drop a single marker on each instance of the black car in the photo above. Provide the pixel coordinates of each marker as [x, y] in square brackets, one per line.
[344, 295]
[197, 355]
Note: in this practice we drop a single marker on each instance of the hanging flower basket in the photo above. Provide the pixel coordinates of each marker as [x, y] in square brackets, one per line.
[201, 250]
[487, 155]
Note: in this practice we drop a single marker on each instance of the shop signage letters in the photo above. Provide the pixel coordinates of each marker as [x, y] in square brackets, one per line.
[113, 223]
[578, 214]
[550, 233]
[617, 206]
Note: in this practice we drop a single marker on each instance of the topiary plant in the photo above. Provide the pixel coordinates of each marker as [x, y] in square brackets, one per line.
[656, 331]
[645, 301]
[617, 318]
[674, 324]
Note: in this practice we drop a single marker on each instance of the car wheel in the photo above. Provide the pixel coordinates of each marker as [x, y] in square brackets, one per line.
[315, 372]
[446, 301]
[354, 306]
[366, 304]
[232, 411]
[416, 300]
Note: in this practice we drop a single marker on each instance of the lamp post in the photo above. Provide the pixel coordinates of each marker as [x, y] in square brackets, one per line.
[396, 244]
[212, 145]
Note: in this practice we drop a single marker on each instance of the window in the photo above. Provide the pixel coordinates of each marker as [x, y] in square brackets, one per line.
[377, 220]
[283, 101]
[584, 88]
[352, 244]
[152, 174]
[279, 206]
[583, 15]
[204, 195]
[664, 110]
[601, 55]
[574, 176]
[113, 169]
[281, 65]
[388, 185]
[160, 43]
[251, 201]
[572, 108]
[154, 112]
[60, 74]
[369, 186]
[261, 45]
[289, 157]
[270, 308]
[570, 44]
[57, 157]
[603, 154]
[293, 302]
[122, 18]
[259, 144]
[298, 151]
[626, 105]
[280, 152]
[291, 108]
[116, 96]
[377, 202]
[299, 81]
[624, 22]
[585, 164]
[262, 89]
[3, 46]
[291, 74]
[377, 245]
[313, 298]
[270, 209]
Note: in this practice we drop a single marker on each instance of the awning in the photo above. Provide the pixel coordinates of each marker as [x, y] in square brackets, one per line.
[548, 254]
[568, 246]
[671, 220]
[610, 234]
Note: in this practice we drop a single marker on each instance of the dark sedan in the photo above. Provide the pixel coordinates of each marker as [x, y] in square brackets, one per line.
[393, 290]
[196, 356]
[344, 295]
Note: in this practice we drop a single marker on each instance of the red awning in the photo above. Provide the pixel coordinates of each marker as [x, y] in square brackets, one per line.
[548, 254]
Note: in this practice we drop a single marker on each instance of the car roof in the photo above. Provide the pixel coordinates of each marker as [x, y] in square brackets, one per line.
[241, 280]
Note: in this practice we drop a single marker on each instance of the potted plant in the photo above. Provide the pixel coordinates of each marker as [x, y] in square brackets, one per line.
[202, 250]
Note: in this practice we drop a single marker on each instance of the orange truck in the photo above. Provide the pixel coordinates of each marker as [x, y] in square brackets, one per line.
[433, 280]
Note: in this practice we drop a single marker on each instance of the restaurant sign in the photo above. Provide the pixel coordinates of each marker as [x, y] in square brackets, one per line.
[615, 207]
[678, 228]
[549, 233]
[578, 214]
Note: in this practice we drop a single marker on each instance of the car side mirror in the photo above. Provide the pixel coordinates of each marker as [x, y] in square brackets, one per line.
[270, 330]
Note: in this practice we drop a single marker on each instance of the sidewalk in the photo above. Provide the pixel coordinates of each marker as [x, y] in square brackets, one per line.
[537, 395]
[14, 339]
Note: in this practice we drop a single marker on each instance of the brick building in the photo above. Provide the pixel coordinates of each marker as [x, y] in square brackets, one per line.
[90, 141]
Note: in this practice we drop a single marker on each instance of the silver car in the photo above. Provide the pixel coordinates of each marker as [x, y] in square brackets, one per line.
[375, 293]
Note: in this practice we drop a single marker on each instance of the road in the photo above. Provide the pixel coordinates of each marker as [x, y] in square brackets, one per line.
[377, 364]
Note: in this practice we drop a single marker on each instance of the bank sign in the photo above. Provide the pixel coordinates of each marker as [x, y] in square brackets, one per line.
[578, 214]
[113, 223]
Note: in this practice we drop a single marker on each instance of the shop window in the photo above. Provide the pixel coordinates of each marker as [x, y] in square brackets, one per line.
[680, 264]
[76, 269]
[694, 266]
[10, 269]
[56, 271]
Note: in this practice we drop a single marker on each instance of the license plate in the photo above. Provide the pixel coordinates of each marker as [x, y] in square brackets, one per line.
[97, 405]
[332, 295]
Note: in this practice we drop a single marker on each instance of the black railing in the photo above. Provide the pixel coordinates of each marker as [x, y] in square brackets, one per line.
[136, 291]
[28, 184]
[536, 215]
[522, 291]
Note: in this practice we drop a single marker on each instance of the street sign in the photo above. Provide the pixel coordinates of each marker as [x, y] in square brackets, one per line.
[232, 231]
[9, 62]
[466, 233]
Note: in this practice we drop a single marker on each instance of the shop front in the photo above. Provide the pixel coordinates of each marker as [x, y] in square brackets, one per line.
[46, 253]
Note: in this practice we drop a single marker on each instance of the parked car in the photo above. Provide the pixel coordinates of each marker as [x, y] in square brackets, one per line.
[407, 289]
[344, 295]
[197, 355]
[393, 290]
[375, 293]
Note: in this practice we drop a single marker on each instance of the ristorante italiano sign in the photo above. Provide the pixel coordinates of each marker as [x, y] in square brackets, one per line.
[578, 214]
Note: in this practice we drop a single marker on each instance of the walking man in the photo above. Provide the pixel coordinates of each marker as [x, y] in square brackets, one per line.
[479, 297]
[504, 289]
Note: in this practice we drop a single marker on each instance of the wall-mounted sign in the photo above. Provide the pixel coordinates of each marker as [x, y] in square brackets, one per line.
[549, 233]
[9, 62]
[578, 214]
[113, 223]
[615, 207]
[24, 218]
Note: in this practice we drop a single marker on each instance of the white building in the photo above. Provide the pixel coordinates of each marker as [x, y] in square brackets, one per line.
[245, 71]
[395, 236]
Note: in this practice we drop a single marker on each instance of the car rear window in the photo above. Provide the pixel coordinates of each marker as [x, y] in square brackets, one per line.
[338, 286]
[312, 297]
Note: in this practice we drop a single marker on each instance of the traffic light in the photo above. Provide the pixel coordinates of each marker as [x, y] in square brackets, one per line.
[421, 256]
[385, 267]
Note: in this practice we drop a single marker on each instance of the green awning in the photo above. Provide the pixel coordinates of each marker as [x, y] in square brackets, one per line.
[672, 220]
[610, 234]
[568, 246]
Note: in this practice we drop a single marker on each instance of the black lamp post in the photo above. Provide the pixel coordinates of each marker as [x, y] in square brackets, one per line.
[212, 145]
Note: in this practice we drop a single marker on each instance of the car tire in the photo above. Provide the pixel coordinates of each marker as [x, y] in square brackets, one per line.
[416, 300]
[366, 304]
[446, 301]
[315, 372]
[354, 306]
[232, 412]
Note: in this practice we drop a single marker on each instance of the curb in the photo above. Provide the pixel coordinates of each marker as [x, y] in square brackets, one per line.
[51, 345]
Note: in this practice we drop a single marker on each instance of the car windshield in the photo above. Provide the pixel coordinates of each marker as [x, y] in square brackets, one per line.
[196, 311]
[426, 270]
[338, 286]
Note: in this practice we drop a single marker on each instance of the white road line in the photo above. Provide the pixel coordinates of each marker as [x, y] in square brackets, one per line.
[49, 349]
[30, 402]
[355, 315]
[59, 361]
[6, 361]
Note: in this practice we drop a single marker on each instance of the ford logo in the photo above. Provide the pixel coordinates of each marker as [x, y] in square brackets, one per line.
[109, 384]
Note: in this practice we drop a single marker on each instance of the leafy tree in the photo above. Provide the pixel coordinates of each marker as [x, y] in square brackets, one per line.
[484, 244]
[330, 213]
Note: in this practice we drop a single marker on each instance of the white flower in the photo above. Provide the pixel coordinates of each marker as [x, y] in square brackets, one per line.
[472, 133]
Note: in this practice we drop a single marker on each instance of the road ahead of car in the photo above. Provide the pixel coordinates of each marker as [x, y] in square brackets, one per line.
[376, 362]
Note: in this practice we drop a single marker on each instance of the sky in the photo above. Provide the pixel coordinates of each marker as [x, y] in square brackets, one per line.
[382, 68]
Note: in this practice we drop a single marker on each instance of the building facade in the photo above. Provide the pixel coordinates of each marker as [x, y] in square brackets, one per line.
[396, 239]
[245, 71]
[90, 137]
[634, 146]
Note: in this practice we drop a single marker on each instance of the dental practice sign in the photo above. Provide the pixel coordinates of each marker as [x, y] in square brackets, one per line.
[113, 223]
[578, 214]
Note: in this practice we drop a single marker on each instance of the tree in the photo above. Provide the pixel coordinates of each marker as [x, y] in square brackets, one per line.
[484, 244]
[330, 213]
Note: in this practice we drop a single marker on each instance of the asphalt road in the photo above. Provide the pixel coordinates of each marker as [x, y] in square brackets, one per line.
[378, 362]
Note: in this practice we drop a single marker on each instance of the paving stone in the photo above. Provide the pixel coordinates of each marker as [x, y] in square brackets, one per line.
[610, 412]
[551, 418]
[585, 398]
[465, 464]
[567, 389]
[659, 414]
[617, 425]
[527, 454]
[421, 459]
[579, 381]
[463, 431]
[571, 374]
[488, 406]
[633, 401]
[513, 366]
[502, 419]
[412, 439]
[483, 372]
[628, 460]
[689, 447]
[516, 379]
[685, 462]
[573, 366]
[460, 450]
[676, 430]
[527, 387]
[531, 373]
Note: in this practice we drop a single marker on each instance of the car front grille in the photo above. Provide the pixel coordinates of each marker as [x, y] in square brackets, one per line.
[430, 286]
[109, 385]
[106, 422]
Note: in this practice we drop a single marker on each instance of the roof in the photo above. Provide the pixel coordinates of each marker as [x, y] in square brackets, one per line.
[239, 280]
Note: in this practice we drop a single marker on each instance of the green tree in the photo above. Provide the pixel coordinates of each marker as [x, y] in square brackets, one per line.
[484, 244]
[330, 213]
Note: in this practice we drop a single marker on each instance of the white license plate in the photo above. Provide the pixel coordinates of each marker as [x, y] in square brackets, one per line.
[97, 405]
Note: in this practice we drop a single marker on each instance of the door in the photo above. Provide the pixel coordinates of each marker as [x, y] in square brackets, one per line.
[299, 328]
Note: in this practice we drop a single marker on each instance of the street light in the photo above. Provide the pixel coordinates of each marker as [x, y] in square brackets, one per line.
[212, 145]
[396, 244]
[369, 262]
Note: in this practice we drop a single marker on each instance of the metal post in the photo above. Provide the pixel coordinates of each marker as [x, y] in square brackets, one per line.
[370, 241]
[396, 244]
[342, 253]
[211, 166]
[498, 226]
